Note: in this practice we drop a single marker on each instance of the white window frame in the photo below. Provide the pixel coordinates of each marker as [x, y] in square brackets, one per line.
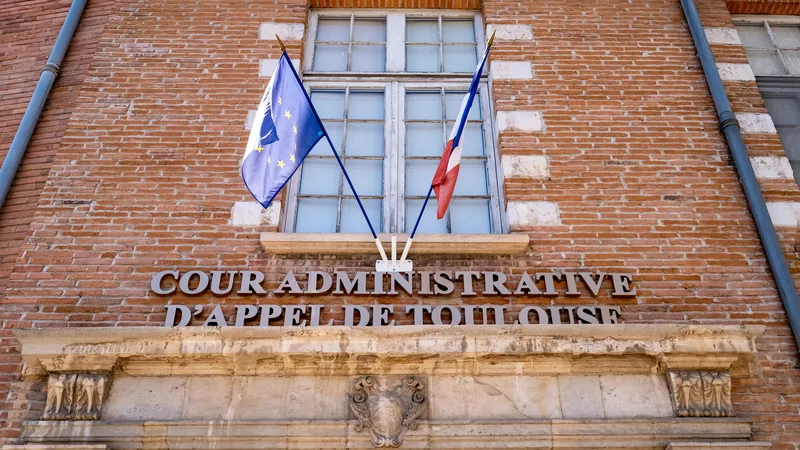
[394, 82]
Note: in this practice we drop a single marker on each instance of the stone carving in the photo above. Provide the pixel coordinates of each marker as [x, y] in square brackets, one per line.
[72, 396]
[387, 413]
[701, 393]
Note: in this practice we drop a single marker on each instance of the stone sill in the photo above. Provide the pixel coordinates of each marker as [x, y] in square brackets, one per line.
[424, 244]
[537, 349]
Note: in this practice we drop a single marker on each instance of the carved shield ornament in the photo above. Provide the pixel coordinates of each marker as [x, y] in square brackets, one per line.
[389, 412]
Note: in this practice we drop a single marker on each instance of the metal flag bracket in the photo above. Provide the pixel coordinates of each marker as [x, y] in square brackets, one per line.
[393, 265]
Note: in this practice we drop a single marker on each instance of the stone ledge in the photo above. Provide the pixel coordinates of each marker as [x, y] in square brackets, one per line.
[424, 244]
[340, 434]
[491, 349]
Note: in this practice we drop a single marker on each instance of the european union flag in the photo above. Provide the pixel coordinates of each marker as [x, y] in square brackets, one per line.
[285, 129]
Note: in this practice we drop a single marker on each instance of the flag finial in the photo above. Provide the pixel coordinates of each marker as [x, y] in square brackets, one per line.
[283, 47]
[491, 38]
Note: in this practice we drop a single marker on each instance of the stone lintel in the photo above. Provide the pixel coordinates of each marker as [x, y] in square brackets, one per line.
[582, 349]
[721, 445]
[449, 434]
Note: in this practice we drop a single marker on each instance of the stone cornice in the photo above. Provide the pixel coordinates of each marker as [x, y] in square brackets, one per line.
[544, 349]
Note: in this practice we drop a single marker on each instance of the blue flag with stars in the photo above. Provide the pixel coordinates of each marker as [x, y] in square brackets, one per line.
[285, 129]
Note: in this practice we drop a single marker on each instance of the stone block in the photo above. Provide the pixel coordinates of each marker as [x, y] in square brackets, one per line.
[266, 67]
[533, 213]
[294, 398]
[784, 214]
[510, 32]
[145, 398]
[511, 70]
[735, 72]
[772, 167]
[755, 123]
[525, 166]
[286, 31]
[723, 35]
[253, 214]
[581, 397]
[530, 121]
[628, 396]
[207, 398]
[493, 397]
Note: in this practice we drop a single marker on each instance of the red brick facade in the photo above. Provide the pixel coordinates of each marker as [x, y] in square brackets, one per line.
[151, 107]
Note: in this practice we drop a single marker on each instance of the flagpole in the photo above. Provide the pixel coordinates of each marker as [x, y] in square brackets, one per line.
[430, 191]
[336, 154]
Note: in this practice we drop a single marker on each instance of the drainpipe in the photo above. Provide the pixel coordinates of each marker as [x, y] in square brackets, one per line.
[752, 190]
[36, 105]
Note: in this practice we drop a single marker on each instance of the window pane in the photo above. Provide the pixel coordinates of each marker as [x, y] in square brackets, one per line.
[329, 104]
[330, 58]
[424, 139]
[471, 178]
[366, 175]
[786, 37]
[784, 111]
[366, 105]
[453, 103]
[422, 58]
[422, 31]
[458, 31]
[368, 58]
[470, 216]
[764, 62]
[428, 223]
[754, 36]
[316, 215]
[472, 140]
[320, 177]
[353, 221]
[790, 139]
[419, 174]
[460, 58]
[792, 60]
[423, 106]
[365, 139]
[369, 30]
[335, 132]
[333, 30]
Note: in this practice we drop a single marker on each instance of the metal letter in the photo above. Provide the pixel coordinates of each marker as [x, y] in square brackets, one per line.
[495, 280]
[216, 280]
[291, 316]
[244, 312]
[202, 284]
[269, 312]
[290, 282]
[216, 318]
[467, 276]
[455, 315]
[527, 283]
[327, 282]
[609, 314]
[349, 312]
[594, 286]
[344, 285]
[549, 282]
[469, 314]
[555, 314]
[443, 284]
[406, 283]
[186, 316]
[251, 282]
[524, 312]
[316, 313]
[621, 287]
[418, 310]
[155, 282]
[425, 283]
[572, 286]
[380, 315]
[586, 314]
[377, 286]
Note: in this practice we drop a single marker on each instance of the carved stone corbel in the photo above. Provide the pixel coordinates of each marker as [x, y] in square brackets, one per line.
[387, 412]
[701, 393]
[73, 396]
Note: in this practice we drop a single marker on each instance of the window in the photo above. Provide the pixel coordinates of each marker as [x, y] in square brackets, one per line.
[388, 87]
[773, 50]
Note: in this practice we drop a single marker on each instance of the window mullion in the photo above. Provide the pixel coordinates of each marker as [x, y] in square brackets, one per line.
[398, 156]
[395, 42]
[341, 175]
[774, 41]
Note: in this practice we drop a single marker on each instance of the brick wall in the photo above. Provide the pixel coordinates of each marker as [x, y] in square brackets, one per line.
[146, 176]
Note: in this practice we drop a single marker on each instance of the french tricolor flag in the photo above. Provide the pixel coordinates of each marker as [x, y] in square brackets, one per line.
[444, 180]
